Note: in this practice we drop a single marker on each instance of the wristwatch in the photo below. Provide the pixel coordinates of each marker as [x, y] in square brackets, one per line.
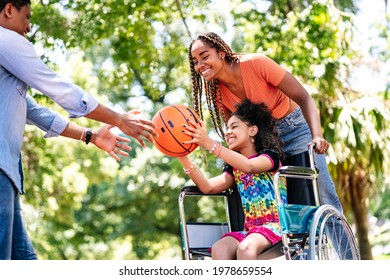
[88, 135]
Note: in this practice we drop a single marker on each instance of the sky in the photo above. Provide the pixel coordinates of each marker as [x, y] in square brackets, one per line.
[366, 78]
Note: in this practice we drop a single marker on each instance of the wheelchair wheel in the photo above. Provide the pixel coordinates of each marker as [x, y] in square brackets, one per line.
[331, 237]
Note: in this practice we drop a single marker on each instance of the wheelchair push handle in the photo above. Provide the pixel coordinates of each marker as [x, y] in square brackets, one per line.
[311, 148]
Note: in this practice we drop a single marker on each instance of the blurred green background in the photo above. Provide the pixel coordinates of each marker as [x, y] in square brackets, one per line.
[82, 204]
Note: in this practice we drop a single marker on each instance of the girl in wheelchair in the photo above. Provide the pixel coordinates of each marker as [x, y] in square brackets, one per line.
[254, 154]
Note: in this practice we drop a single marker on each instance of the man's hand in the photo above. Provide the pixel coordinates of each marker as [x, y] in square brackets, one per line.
[111, 143]
[133, 125]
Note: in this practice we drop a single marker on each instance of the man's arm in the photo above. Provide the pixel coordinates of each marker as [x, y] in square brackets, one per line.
[130, 123]
[55, 125]
[19, 58]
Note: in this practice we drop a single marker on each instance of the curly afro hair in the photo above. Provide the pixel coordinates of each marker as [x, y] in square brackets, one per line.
[259, 115]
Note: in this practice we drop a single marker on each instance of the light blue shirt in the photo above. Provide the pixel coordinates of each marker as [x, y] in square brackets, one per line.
[20, 68]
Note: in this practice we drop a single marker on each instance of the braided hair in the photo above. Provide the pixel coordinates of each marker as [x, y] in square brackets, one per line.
[259, 115]
[213, 95]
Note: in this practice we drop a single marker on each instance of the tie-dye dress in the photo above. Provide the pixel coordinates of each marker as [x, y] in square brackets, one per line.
[258, 200]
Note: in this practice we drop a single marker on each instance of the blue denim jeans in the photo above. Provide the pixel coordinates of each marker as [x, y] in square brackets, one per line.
[295, 134]
[15, 243]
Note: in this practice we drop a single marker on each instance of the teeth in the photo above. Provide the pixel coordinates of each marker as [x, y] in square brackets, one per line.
[204, 72]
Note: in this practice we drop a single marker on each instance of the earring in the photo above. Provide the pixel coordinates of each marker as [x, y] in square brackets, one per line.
[252, 140]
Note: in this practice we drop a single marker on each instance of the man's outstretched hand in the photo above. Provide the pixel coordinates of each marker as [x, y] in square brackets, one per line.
[113, 144]
[133, 125]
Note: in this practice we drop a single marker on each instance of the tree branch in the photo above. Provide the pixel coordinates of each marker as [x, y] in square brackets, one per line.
[183, 17]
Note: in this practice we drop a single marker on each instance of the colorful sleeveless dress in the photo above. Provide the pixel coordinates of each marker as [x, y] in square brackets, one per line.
[259, 201]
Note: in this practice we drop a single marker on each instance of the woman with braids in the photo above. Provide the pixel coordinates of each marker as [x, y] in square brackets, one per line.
[228, 77]
[254, 154]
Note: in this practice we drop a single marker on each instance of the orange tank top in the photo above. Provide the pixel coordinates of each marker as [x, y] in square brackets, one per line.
[261, 76]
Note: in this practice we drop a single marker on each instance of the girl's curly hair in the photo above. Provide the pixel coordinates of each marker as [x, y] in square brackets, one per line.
[259, 115]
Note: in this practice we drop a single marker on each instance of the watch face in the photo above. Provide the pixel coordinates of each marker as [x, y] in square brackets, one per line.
[88, 136]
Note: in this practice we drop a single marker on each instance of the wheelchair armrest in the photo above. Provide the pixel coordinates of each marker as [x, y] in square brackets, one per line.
[191, 190]
[194, 190]
[297, 172]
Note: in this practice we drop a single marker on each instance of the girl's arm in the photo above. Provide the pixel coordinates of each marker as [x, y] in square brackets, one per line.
[210, 186]
[250, 166]
[254, 165]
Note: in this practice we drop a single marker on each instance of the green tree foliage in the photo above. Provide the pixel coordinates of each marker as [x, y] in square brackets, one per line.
[313, 41]
[133, 45]
[81, 204]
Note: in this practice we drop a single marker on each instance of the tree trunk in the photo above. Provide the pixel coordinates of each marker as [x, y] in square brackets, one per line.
[359, 208]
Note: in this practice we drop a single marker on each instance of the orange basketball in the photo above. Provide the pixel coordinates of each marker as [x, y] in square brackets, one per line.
[170, 122]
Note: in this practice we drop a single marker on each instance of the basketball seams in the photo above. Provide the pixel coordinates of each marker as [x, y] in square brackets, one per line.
[173, 136]
[192, 115]
[167, 117]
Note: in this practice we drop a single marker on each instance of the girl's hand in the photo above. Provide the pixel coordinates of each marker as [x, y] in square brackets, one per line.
[198, 133]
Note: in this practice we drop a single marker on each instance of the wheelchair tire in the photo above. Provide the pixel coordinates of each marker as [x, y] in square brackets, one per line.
[331, 237]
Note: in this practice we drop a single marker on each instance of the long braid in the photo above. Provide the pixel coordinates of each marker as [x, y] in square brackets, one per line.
[222, 113]
[213, 108]
[197, 87]
[213, 94]
[218, 112]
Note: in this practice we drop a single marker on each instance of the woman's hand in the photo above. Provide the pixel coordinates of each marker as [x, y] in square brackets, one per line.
[321, 146]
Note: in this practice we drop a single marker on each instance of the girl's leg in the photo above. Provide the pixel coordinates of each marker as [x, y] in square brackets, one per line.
[225, 249]
[252, 246]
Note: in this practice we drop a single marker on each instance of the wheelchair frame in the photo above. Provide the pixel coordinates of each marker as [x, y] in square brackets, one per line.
[309, 232]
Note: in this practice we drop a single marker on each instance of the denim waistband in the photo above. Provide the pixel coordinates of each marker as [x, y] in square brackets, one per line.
[287, 120]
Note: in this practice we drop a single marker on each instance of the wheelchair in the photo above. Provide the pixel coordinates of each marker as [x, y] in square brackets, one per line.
[310, 231]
